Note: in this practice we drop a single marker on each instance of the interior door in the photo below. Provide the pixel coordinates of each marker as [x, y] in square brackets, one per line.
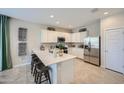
[114, 52]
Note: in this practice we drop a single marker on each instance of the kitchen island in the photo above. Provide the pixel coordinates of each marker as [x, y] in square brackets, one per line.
[62, 67]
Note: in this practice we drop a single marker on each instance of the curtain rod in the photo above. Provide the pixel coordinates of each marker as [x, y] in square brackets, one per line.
[3, 15]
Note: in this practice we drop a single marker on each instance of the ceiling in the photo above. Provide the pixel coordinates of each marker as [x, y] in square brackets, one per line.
[63, 17]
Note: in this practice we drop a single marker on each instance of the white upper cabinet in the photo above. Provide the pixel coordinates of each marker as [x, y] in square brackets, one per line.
[76, 37]
[44, 36]
[59, 34]
[79, 36]
[48, 36]
[73, 37]
[51, 36]
[67, 37]
[83, 35]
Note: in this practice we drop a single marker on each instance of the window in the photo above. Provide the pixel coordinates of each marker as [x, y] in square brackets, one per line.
[22, 36]
[22, 49]
[22, 45]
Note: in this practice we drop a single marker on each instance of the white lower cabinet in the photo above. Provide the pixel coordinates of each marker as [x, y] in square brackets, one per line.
[66, 72]
[63, 72]
[70, 51]
[79, 52]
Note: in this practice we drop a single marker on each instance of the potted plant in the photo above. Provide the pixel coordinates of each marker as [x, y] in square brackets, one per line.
[61, 47]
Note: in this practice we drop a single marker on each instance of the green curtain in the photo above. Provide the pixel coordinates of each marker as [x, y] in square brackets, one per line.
[6, 62]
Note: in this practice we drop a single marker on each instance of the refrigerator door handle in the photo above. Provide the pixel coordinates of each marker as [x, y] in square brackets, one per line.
[89, 46]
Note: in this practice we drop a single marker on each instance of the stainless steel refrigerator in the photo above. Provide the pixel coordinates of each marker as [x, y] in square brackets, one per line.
[92, 50]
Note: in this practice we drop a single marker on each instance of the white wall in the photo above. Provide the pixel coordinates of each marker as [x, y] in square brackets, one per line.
[57, 28]
[93, 28]
[111, 22]
[33, 38]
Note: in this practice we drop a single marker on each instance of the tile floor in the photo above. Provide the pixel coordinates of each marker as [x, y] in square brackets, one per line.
[84, 73]
[89, 74]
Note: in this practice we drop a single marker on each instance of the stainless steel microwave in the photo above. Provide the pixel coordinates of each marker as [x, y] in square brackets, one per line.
[60, 39]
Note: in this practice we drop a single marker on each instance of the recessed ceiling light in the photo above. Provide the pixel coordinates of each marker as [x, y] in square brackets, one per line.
[57, 22]
[105, 13]
[51, 16]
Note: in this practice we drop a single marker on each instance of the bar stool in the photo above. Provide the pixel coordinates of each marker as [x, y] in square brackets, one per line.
[34, 60]
[42, 73]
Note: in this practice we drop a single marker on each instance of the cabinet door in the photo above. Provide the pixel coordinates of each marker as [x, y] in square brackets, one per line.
[65, 72]
[83, 35]
[70, 51]
[77, 37]
[81, 53]
[67, 37]
[51, 36]
[73, 37]
[55, 36]
[114, 52]
[74, 52]
[60, 34]
[43, 36]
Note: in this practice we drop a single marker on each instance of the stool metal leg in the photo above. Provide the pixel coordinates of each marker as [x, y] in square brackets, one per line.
[49, 77]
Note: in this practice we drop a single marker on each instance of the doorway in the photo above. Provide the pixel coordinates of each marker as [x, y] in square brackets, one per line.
[114, 49]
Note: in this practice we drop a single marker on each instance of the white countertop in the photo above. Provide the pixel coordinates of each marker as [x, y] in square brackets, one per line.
[49, 59]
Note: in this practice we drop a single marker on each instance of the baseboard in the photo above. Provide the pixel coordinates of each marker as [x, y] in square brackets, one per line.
[21, 65]
[102, 66]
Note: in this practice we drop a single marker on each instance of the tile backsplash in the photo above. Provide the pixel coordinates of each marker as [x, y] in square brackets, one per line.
[53, 45]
